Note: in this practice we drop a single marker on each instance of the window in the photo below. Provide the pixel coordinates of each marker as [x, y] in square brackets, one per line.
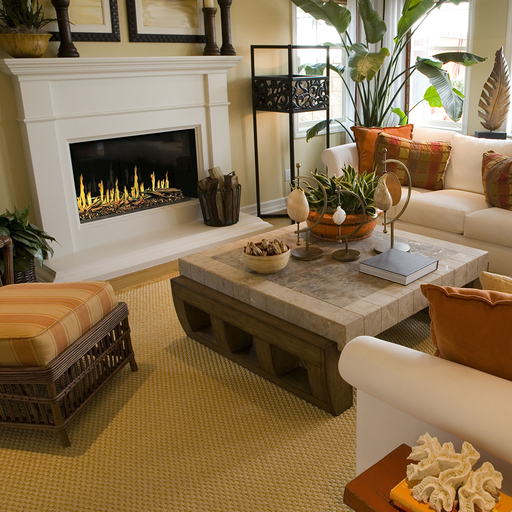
[310, 32]
[444, 30]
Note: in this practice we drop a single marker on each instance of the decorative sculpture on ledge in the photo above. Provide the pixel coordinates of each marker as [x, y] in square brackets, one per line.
[66, 48]
[227, 47]
[211, 47]
[297, 208]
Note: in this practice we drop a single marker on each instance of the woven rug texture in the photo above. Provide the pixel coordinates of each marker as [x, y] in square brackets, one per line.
[190, 431]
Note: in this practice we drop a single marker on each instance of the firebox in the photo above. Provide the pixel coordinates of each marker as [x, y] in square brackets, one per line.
[128, 174]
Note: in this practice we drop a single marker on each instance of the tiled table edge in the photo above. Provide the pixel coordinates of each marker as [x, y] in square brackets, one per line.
[338, 324]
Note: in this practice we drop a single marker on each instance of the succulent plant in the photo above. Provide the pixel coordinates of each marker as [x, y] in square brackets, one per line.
[363, 185]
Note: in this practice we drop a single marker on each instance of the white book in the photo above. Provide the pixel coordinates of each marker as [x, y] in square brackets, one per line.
[398, 266]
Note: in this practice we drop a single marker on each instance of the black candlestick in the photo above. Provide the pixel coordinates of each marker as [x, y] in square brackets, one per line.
[66, 48]
[211, 47]
[227, 47]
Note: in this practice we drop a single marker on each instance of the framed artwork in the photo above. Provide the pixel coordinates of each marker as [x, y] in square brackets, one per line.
[91, 20]
[166, 21]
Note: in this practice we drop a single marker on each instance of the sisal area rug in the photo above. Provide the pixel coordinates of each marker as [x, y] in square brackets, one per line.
[190, 431]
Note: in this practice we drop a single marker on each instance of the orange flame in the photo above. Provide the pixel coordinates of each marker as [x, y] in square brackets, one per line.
[153, 180]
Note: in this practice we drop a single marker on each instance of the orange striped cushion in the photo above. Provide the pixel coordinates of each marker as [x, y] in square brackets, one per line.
[38, 321]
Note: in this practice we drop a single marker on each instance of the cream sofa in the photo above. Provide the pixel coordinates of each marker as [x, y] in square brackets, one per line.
[459, 213]
[403, 393]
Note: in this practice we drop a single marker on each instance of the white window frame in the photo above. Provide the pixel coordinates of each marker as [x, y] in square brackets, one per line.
[461, 127]
[301, 127]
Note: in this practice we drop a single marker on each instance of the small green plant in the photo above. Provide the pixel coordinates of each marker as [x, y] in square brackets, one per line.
[22, 16]
[363, 185]
[28, 241]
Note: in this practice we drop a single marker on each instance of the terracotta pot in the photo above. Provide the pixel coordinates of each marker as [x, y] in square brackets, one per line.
[328, 230]
[25, 45]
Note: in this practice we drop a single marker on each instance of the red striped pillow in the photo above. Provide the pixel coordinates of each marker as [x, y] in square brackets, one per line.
[497, 179]
[426, 161]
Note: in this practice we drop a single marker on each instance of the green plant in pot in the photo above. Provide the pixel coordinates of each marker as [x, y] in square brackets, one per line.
[29, 243]
[22, 31]
[374, 79]
[363, 185]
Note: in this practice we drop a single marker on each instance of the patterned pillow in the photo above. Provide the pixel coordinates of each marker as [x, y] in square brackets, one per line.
[425, 160]
[365, 142]
[497, 179]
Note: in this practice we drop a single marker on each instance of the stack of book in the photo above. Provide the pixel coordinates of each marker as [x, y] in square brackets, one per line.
[398, 266]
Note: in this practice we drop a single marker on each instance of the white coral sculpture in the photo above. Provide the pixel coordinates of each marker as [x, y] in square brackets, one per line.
[481, 489]
[441, 471]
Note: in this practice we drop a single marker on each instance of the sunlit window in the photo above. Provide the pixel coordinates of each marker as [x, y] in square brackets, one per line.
[444, 30]
[310, 32]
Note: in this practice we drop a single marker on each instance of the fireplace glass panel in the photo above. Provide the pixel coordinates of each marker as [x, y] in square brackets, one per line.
[129, 174]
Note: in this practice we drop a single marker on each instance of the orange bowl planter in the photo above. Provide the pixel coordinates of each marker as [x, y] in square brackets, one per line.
[328, 230]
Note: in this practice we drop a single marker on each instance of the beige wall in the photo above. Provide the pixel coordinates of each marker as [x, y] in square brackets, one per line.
[253, 22]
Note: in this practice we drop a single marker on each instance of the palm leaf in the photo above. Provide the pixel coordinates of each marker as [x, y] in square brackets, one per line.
[495, 99]
[332, 13]
[374, 26]
[364, 64]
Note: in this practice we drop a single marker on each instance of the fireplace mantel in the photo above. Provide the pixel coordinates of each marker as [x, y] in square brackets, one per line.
[61, 101]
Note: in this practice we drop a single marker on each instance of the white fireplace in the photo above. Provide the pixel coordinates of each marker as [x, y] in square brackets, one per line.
[64, 101]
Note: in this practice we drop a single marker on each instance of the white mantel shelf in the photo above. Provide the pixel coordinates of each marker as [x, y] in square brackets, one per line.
[71, 68]
[64, 101]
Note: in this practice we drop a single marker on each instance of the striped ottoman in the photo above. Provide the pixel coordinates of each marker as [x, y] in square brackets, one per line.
[59, 344]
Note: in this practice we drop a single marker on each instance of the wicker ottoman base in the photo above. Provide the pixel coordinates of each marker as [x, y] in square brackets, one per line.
[49, 397]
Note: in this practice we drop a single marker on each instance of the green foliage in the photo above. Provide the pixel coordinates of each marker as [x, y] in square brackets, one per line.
[22, 15]
[375, 72]
[28, 241]
[363, 185]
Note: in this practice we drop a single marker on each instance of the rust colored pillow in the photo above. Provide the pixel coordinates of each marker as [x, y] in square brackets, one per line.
[497, 179]
[366, 138]
[426, 161]
[472, 327]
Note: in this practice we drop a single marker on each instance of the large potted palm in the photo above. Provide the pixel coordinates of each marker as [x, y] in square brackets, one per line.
[30, 244]
[374, 79]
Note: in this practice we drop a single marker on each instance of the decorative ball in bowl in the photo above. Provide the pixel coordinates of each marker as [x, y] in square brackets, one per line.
[267, 257]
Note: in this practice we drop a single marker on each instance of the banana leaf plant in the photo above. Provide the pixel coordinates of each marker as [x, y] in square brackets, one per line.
[374, 73]
[29, 242]
[363, 185]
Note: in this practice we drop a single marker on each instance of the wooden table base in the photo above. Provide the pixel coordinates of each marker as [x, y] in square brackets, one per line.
[295, 359]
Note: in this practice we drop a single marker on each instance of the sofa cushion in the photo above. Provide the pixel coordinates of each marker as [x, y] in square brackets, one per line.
[495, 282]
[493, 225]
[497, 179]
[365, 141]
[425, 160]
[38, 321]
[443, 209]
[472, 327]
[465, 169]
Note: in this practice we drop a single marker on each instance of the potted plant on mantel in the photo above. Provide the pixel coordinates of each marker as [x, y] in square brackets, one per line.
[22, 31]
[29, 243]
[363, 185]
[376, 74]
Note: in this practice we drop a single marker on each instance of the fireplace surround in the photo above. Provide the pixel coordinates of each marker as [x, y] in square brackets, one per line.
[62, 102]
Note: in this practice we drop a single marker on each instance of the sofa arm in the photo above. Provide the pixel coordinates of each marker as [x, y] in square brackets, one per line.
[462, 401]
[337, 157]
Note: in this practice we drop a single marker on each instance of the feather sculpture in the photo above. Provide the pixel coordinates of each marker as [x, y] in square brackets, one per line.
[495, 99]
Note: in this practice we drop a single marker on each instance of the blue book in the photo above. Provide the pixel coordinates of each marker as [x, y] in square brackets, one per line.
[398, 266]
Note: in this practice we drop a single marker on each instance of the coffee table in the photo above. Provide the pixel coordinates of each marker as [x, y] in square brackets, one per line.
[290, 327]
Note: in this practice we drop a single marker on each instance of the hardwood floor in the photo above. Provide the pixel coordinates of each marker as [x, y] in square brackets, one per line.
[172, 266]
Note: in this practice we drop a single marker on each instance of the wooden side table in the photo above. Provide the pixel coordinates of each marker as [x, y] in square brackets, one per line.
[369, 492]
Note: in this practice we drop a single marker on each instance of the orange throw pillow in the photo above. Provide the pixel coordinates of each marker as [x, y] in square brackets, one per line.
[366, 138]
[472, 327]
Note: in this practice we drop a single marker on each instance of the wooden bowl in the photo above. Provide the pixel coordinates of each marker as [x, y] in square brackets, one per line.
[267, 264]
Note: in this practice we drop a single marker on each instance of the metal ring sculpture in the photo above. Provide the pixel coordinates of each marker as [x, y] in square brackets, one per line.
[308, 253]
[348, 254]
[402, 246]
